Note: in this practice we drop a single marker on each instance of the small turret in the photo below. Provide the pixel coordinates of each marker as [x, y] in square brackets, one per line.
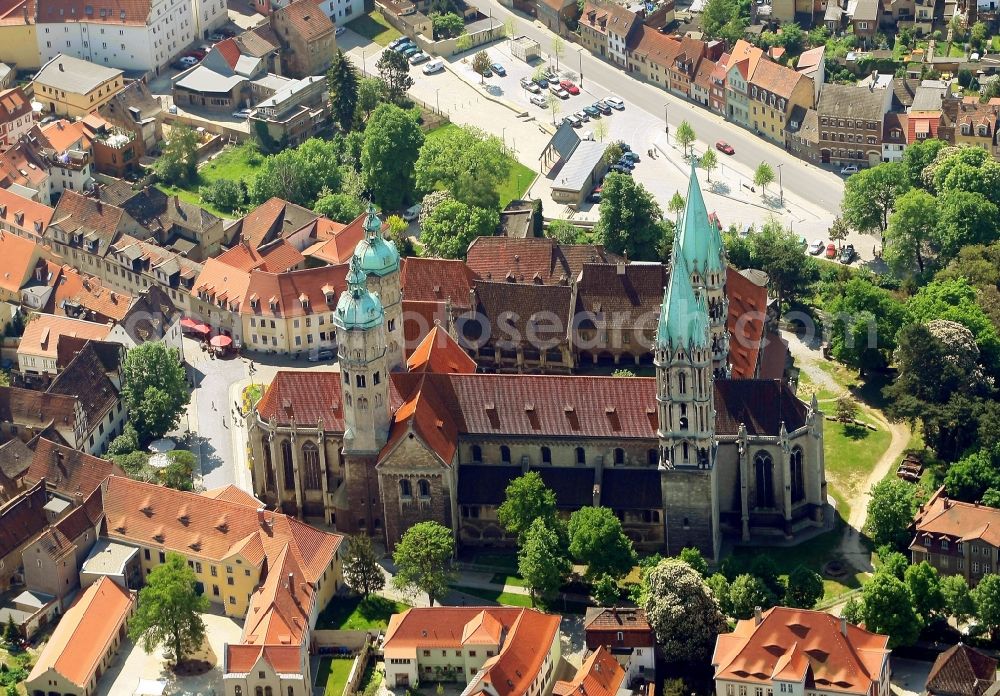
[357, 308]
[376, 255]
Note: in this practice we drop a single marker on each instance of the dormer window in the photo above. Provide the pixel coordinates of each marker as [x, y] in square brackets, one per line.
[965, 129]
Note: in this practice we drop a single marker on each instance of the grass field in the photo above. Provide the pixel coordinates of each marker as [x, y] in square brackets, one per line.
[233, 163]
[506, 598]
[357, 614]
[374, 27]
[331, 675]
[503, 579]
[517, 182]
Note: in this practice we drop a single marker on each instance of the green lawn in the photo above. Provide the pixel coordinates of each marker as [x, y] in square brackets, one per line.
[357, 614]
[374, 27]
[495, 559]
[503, 579]
[506, 598]
[332, 675]
[517, 182]
[851, 453]
[232, 163]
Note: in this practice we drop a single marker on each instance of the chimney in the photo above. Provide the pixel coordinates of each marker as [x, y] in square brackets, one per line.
[757, 616]
[291, 583]
[946, 502]
[843, 626]
[260, 517]
[620, 268]
[61, 68]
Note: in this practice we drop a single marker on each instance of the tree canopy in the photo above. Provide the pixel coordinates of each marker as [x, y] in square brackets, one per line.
[596, 538]
[525, 500]
[154, 389]
[467, 162]
[342, 81]
[630, 219]
[887, 609]
[362, 573]
[178, 160]
[169, 610]
[390, 150]
[394, 72]
[682, 611]
[450, 229]
[423, 560]
[299, 174]
[542, 559]
[870, 194]
[890, 512]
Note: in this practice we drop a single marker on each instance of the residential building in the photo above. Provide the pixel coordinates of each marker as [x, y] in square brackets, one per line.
[15, 115]
[37, 351]
[652, 55]
[684, 66]
[894, 137]
[701, 86]
[961, 671]
[743, 62]
[774, 93]
[794, 650]
[25, 171]
[608, 29]
[600, 675]
[151, 317]
[23, 216]
[227, 79]
[593, 29]
[295, 112]
[25, 267]
[68, 473]
[176, 225]
[70, 86]
[851, 121]
[717, 85]
[802, 133]
[555, 13]
[66, 147]
[308, 44]
[142, 37]
[18, 36]
[84, 643]
[970, 123]
[625, 634]
[27, 413]
[956, 538]
[685, 453]
[865, 20]
[115, 151]
[134, 108]
[812, 64]
[85, 297]
[500, 651]
[21, 520]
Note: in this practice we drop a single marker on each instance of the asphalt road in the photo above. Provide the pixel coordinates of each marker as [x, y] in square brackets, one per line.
[819, 187]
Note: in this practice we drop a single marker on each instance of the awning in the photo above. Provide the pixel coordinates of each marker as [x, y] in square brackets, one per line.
[202, 328]
[188, 323]
[221, 341]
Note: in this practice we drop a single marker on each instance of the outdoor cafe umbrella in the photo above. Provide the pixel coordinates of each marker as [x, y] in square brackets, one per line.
[221, 341]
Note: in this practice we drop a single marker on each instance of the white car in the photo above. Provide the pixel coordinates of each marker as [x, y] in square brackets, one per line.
[538, 100]
[435, 66]
[418, 58]
[339, 31]
[412, 213]
[582, 115]
[817, 247]
[849, 169]
[615, 103]
[242, 114]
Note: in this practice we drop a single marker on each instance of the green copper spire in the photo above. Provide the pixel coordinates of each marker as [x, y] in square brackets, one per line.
[683, 319]
[699, 240]
[357, 308]
[375, 254]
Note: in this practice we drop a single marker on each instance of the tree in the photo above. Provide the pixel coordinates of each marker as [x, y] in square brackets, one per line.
[369, 95]
[717, 14]
[127, 442]
[394, 72]
[565, 232]
[526, 500]
[892, 561]
[847, 408]
[398, 231]
[606, 591]
[629, 219]
[340, 207]
[964, 218]
[924, 586]
[542, 559]
[510, 29]
[178, 160]
[693, 558]
[763, 176]
[918, 156]
[748, 592]
[11, 634]
[890, 512]
[389, 153]
[682, 610]
[154, 389]
[467, 162]
[179, 472]
[423, 560]
[596, 538]
[978, 34]
[453, 225]
[555, 105]
[719, 586]
[870, 195]
[481, 62]
[558, 49]
[911, 232]
[623, 372]
[684, 135]
[463, 43]
[614, 151]
[986, 596]
[957, 597]
[955, 300]
[342, 80]
[972, 475]
[225, 194]
[169, 610]
[299, 174]
[708, 162]
[886, 609]
[362, 573]
[805, 588]
[792, 38]
[447, 26]
[777, 252]
[676, 203]
[601, 129]
[838, 230]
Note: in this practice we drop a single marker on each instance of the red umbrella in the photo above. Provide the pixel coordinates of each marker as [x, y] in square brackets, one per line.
[221, 341]
[202, 328]
[188, 323]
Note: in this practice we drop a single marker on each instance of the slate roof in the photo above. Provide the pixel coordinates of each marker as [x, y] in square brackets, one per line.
[68, 471]
[15, 458]
[961, 671]
[22, 519]
[513, 312]
[485, 484]
[762, 405]
[86, 380]
[71, 74]
[852, 101]
[624, 296]
[631, 489]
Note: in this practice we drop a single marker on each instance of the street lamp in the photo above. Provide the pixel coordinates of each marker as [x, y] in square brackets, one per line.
[503, 137]
[781, 190]
[581, 67]
[437, 98]
[364, 65]
[666, 124]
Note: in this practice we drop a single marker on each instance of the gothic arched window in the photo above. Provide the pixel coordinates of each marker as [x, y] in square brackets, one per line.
[763, 467]
[798, 476]
[310, 455]
[287, 467]
[268, 465]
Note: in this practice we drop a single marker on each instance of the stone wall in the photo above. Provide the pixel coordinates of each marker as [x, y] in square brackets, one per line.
[690, 497]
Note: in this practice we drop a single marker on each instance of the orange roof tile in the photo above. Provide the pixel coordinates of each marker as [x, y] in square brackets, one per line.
[776, 78]
[41, 335]
[85, 633]
[67, 470]
[439, 352]
[600, 675]
[87, 292]
[64, 135]
[234, 494]
[745, 51]
[18, 257]
[419, 318]
[943, 516]
[747, 312]
[14, 104]
[307, 19]
[336, 241]
[129, 12]
[276, 257]
[34, 216]
[319, 286]
[437, 280]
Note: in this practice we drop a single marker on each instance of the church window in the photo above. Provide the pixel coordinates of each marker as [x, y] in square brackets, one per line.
[581, 456]
[347, 378]
[268, 466]
[764, 475]
[363, 404]
[685, 447]
[798, 477]
[405, 490]
[682, 383]
[268, 691]
[259, 691]
[359, 380]
[619, 456]
[377, 378]
[546, 455]
[477, 453]
[652, 457]
[286, 460]
[310, 453]
[505, 454]
[424, 488]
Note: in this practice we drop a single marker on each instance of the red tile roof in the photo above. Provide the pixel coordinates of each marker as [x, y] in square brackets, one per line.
[41, 335]
[437, 280]
[14, 104]
[68, 471]
[233, 494]
[18, 257]
[21, 519]
[925, 123]
[747, 312]
[659, 49]
[600, 675]
[229, 50]
[439, 352]
[275, 257]
[85, 634]
[797, 645]
[272, 219]
[943, 517]
[281, 294]
[419, 318]
[961, 671]
[776, 78]
[64, 135]
[336, 241]
[74, 291]
[307, 19]
[532, 260]
[34, 216]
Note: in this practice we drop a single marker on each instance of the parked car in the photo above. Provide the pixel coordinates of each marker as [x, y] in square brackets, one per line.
[196, 54]
[620, 169]
[592, 111]
[615, 103]
[569, 86]
[499, 70]
[725, 148]
[573, 121]
[603, 107]
[412, 213]
[847, 254]
[321, 355]
[242, 114]
[411, 50]
[538, 100]
[396, 42]
[339, 31]
[435, 66]
[558, 91]
[816, 248]
[624, 146]
[530, 86]
[582, 115]
[595, 195]
[630, 156]
[626, 162]
[541, 82]
[831, 251]
[216, 37]
[849, 169]
[803, 243]
[227, 33]
[418, 58]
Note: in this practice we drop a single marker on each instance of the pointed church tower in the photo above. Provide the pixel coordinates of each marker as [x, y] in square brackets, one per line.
[685, 399]
[363, 357]
[700, 243]
[378, 259]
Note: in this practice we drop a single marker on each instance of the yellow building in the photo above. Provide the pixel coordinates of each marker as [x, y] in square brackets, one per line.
[19, 34]
[773, 92]
[975, 124]
[68, 86]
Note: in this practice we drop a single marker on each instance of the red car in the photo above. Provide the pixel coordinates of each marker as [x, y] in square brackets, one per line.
[723, 146]
[831, 251]
[569, 86]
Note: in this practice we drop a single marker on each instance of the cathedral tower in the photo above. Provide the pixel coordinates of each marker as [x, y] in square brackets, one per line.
[686, 415]
[700, 244]
[378, 260]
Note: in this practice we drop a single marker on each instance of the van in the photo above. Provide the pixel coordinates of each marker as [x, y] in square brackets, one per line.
[538, 100]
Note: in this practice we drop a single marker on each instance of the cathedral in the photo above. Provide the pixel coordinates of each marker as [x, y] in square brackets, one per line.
[684, 458]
